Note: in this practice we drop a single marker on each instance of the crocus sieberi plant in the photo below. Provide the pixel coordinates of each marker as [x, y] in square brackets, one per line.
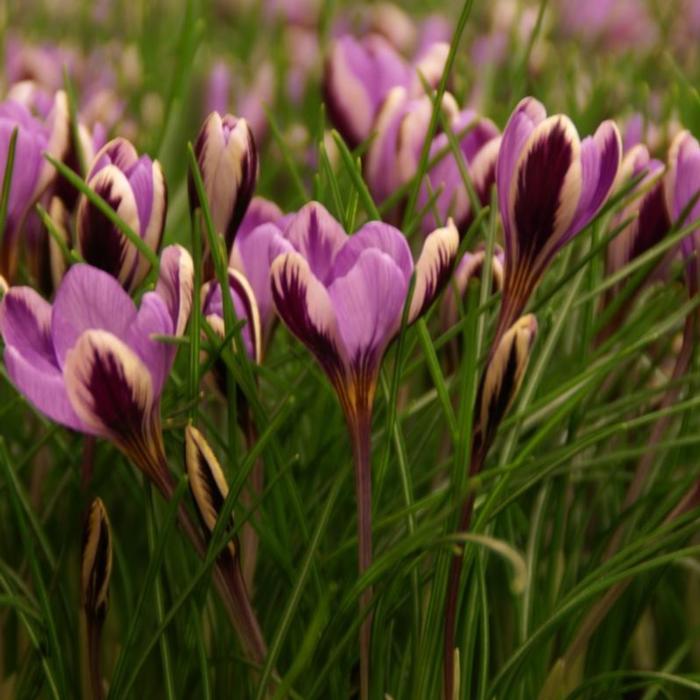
[32, 173]
[134, 186]
[550, 185]
[343, 297]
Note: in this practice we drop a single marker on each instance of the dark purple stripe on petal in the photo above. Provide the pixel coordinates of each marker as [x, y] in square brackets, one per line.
[539, 189]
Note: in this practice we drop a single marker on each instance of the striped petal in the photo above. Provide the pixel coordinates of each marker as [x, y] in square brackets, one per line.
[100, 242]
[96, 564]
[433, 268]
[527, 115]
[110, 388]
[88, 299]
[206, 479]
[306, 308]
[544, 192]
[174, 286]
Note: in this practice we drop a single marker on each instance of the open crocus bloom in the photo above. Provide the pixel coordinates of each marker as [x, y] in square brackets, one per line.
[550, 185]
[90, 361]
[343, 296]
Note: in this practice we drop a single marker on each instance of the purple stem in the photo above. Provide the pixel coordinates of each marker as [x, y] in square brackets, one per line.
[360, 432]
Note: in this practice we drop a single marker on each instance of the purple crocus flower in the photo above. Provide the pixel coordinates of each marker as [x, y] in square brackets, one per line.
[90, 361]
[31, 174]
[343, 297]
[217, 96]
[360, 73]
[682, 187]
[135, 188]
[550, 185]
[228, 162]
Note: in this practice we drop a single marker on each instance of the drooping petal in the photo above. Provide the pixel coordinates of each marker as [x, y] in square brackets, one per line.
[88, 299]
[174, 286]
[368, 302]
[544, 192]
[433, 268]
[25, 324]
[317, 236]
[374, 235]
[305, 306]
[527, 115]
[109, 387]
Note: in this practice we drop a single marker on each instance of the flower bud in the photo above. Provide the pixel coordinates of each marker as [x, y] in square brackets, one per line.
[228, 161]
[503, 377]
[135, 188]
[207, 480]
[96, 565]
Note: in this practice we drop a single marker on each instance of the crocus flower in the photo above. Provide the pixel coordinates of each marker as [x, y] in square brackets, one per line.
[682, 187]
[90, 361]
[651, 220]
[135, 188]
[228, 161]
[217, 94]
[343, 297]
[31, 174]
[359, 74]
[550, 185]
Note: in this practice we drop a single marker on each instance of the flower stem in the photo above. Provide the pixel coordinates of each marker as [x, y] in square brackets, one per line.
[360, 429]
[252, 490]
[453, 584]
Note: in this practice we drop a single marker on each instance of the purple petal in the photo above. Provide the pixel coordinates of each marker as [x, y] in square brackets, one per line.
[317, 236]
[100, 242]
[544, 193]
[25, 324]
[109, 387]
[305, 306]
[153, 318]
[374, 235]
[368, 302]
[118, 152]
[260, 211]
[175, 282]
[252, 254]
[88, 299]
[600, 163]
[527, 115]
[433, 268]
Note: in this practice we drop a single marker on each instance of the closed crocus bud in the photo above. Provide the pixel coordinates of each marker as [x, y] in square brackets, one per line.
[469, 268]
[206, 479]
[550, 185]
[96, 565]
[37, 133]
[134, 187]
[682, 193]
[228, 162]
[503, 377]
